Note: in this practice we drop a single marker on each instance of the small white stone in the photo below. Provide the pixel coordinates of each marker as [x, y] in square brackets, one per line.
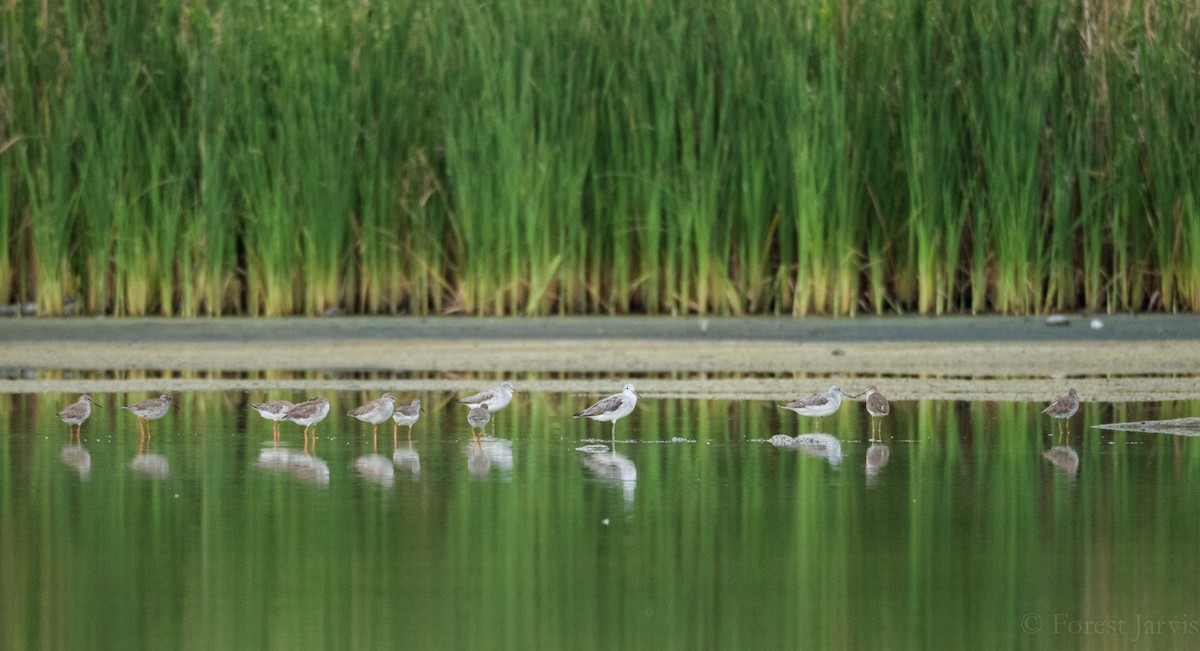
[1097, 324]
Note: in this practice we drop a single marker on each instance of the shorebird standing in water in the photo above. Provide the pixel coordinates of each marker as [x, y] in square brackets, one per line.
[76, 413]
[494, 399]
[822, 404]
[612, 408]
[309, 413]
[148, 410]
[1062, 409]
[878, 407]
[275, 410]
[478, 419]
[375, 412]
[407, 416]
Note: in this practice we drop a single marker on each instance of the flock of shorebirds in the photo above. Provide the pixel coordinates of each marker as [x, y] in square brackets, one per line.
[483, 404]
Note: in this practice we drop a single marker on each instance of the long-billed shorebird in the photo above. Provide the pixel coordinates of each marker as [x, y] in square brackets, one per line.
[150, 409]
[1062, 409]
[878, 407]
[612, 408]
[822, 404]
[309, 413]
[407, 416]
[495, 399]
[375, 412]
[478, 419]
[275, 410]
[76, 413]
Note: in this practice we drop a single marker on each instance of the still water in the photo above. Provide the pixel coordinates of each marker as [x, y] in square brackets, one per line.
[971, 527]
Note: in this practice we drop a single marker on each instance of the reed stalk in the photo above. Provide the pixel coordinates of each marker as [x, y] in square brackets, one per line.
[613, 156]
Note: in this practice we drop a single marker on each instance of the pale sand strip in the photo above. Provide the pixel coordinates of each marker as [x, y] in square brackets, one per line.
[1101, 371]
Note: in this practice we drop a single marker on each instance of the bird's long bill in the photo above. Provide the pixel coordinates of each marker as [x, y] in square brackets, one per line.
[96, 404]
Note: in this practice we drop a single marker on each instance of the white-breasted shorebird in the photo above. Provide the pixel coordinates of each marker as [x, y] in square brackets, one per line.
[1063, 409]
[150, 409]
[878, 407]
[406, 416]
[822, 404]
[612, 408]
[478, 419]
[275, 410]
[76, 413]
[375, 412]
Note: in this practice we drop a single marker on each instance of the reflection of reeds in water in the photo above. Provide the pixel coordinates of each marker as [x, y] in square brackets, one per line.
[376, 468]
[304, 467]
[78, 459]
[151, 466]
[1064, 457]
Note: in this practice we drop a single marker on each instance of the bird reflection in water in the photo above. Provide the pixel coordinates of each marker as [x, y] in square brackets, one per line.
[877, 458]
[375, 467]
[149, 464]
[487, 452]
[1064, 457]
[78, 459]
[406, 459]
[614, 468]
[822, 446]
[305, 467]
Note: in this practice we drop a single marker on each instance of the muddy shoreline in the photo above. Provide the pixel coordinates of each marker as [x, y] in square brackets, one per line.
[988, 358]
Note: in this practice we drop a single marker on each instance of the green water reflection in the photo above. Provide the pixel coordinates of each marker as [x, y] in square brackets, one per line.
[970, 527]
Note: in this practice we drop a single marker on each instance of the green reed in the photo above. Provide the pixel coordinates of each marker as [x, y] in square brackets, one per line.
[518, 157]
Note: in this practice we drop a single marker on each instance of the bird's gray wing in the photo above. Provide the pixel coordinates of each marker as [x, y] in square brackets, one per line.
[302, 410]
[1060, 406]
[73, 411]
[811, 401]
[611, 403]
[482, 396]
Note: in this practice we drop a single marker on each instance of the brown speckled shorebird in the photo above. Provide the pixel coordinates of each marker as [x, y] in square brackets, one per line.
[275, 410]
[309, 413]
[406, 415]
[1062, 409]
[375, 412]
[148, 410]
[77, 413]
[478, 419]
[878, 407]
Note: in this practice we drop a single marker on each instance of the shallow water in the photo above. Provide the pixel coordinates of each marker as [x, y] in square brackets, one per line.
[970, 527]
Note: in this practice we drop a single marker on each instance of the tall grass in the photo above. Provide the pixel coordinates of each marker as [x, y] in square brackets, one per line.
[610, 156]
